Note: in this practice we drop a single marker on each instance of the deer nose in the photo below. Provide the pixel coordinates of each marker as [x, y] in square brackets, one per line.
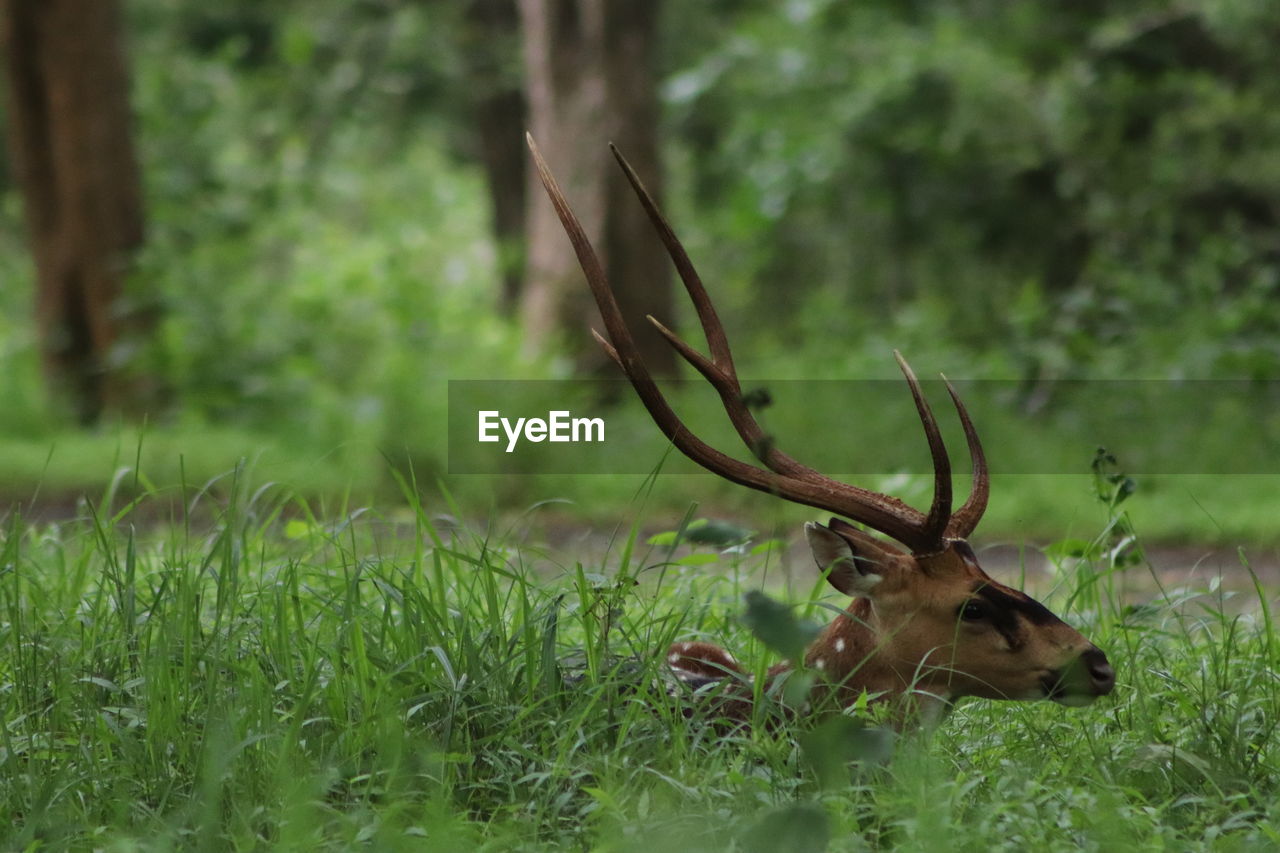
[1101, 676]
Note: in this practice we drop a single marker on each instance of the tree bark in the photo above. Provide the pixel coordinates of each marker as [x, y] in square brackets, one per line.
[499, 118]
[69, 134]
[591, 79]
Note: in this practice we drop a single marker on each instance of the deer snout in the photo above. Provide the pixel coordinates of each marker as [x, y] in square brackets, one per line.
[1085, 678]
[1102, 678]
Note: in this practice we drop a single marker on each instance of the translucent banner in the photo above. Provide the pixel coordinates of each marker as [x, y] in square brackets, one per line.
[870, 427]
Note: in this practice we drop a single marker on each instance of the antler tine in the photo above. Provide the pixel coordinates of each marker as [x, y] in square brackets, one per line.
[621, 347]
[608, 348]
[721, 373]
[719, 370]
[935, 525]
[881, 512]
[965, 519]
[717, 340]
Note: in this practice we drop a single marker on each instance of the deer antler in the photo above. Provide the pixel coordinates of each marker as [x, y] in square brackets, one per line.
[965, 519]
[785, 476]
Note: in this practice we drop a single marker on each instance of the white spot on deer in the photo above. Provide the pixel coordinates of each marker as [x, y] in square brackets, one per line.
[673, 658]
[684, 647]
[840, 645]
[729, 659]
[820, 663]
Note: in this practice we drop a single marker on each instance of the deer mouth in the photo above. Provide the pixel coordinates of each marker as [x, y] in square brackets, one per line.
[1081, 681]
[1071, 699]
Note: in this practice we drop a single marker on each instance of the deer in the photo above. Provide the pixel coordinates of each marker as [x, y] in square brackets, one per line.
[926, 625]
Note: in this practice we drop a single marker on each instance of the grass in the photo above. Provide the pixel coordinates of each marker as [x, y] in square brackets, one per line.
[254, 672]
[1199, 509]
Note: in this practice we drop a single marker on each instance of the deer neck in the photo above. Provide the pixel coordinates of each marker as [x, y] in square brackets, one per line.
[850, 658]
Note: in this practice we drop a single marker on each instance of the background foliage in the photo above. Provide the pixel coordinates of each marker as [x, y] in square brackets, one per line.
[1084, 187]
[1006, 191]
[197, 657]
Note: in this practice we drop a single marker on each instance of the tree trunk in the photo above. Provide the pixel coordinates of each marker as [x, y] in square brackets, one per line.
[499, 119]
[69, 128]
[590, 79]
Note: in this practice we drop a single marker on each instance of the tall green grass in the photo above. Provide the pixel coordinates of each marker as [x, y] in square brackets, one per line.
[254, 672]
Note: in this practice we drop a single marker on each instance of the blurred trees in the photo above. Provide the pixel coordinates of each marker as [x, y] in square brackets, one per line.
[1049, 180]
[491, 75]
[591, 78]
[1016, 189]
[70, 138]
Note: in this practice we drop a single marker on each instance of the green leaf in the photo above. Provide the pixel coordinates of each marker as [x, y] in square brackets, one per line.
[797, 828]
[296, 529]
[796, 685]
[775, 624]
[296, 43]
[665, 539]
[720, 534]
[769, 545]
[668, 538]
[1069, 549]
[832, 746]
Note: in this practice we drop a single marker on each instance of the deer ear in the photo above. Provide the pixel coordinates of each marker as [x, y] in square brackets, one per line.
[854, 562]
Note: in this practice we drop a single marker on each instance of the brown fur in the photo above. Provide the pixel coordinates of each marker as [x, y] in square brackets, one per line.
[903, 637]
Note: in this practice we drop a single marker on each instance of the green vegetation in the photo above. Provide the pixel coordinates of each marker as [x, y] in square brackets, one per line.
[254, 674]
[1023, 194]
[280, 624]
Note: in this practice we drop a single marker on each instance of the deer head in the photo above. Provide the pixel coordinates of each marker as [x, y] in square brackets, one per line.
[925, 621]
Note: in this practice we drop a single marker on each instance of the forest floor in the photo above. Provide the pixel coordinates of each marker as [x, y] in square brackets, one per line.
[557, 542]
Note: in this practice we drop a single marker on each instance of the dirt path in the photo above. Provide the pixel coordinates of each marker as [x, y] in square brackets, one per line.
[1166, 568]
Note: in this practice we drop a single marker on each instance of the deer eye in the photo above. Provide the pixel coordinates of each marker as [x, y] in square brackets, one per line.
[972, 611]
